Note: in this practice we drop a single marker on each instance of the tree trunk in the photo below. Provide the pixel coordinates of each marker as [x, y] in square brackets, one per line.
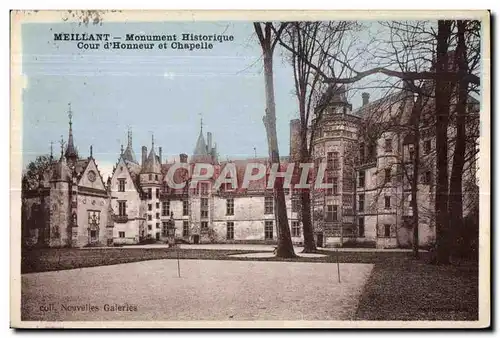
[455, 198]
[305, 205]
[285, 246]
[414, 187]
[442, 92]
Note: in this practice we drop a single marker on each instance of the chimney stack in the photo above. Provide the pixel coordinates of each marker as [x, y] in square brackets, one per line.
[183, 157]
[209, 142]
[366, 98]
[159, 153]
[144, 154]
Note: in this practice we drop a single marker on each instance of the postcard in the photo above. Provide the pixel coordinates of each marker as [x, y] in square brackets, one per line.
[250, 169]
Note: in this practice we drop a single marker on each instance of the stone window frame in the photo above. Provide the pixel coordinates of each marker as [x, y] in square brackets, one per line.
[268, 205]
[296, 229]
[230, 230]
[230, 206]
[268, 229]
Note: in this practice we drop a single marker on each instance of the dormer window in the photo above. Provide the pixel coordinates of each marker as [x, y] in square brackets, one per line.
[388, 145]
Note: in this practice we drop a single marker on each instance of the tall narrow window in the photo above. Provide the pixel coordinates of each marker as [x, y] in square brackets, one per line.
[295, 229]
[361, 179]
[185, 208]
[150, 193]
[329, 159]
[372, 151]
[230, 230]
[388, 145]
[361, 152]
[387, 230]
[426, 178]
[361, 202]
[336, 162]
[165, 208]
[268, 205]
[204, 225]
[361, 226]
[387, 175]
[204, 208]
[230, 206]
[427, 147]
[335, 186]
[185, 229]
[295, 203]
[331, 213]
[121, 184]
[122, 208]
[204, 188]
[387, 202]
[157, 193]
[268, 230]
[329, 181]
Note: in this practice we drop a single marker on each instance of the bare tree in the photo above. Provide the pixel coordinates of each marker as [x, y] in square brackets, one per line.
[268, 38]
[444, 78]
[312, 41]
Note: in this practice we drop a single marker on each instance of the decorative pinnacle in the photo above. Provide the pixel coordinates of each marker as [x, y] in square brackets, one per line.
[62, 145]
[121, 150]
[90, 150]
[129, 137]
[70, 113]
[51, 149]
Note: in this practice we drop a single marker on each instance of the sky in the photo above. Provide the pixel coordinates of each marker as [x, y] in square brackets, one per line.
[164, 93]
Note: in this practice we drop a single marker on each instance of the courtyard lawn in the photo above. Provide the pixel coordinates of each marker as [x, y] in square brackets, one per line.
[399, 287]
[206, 290]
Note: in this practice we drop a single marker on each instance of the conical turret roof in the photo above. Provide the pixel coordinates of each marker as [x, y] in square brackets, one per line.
[129, 154]
[201, 146]
[152, 164]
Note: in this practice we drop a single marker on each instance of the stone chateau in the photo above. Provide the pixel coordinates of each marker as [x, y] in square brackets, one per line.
[368, 204]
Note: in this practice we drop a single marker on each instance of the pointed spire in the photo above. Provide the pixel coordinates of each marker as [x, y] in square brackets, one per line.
[152, 141]
[90, 150]
[129, 138]
[51, 150]
[121, 150]
[71, 153]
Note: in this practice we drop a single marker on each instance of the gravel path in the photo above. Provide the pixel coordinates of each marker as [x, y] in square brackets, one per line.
[207, 290]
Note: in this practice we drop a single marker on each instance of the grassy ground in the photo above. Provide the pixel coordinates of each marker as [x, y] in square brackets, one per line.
[406, 289]
[399, 288]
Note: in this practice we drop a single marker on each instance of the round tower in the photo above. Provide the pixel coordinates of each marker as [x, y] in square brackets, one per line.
[150, 180]
[334, 144]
